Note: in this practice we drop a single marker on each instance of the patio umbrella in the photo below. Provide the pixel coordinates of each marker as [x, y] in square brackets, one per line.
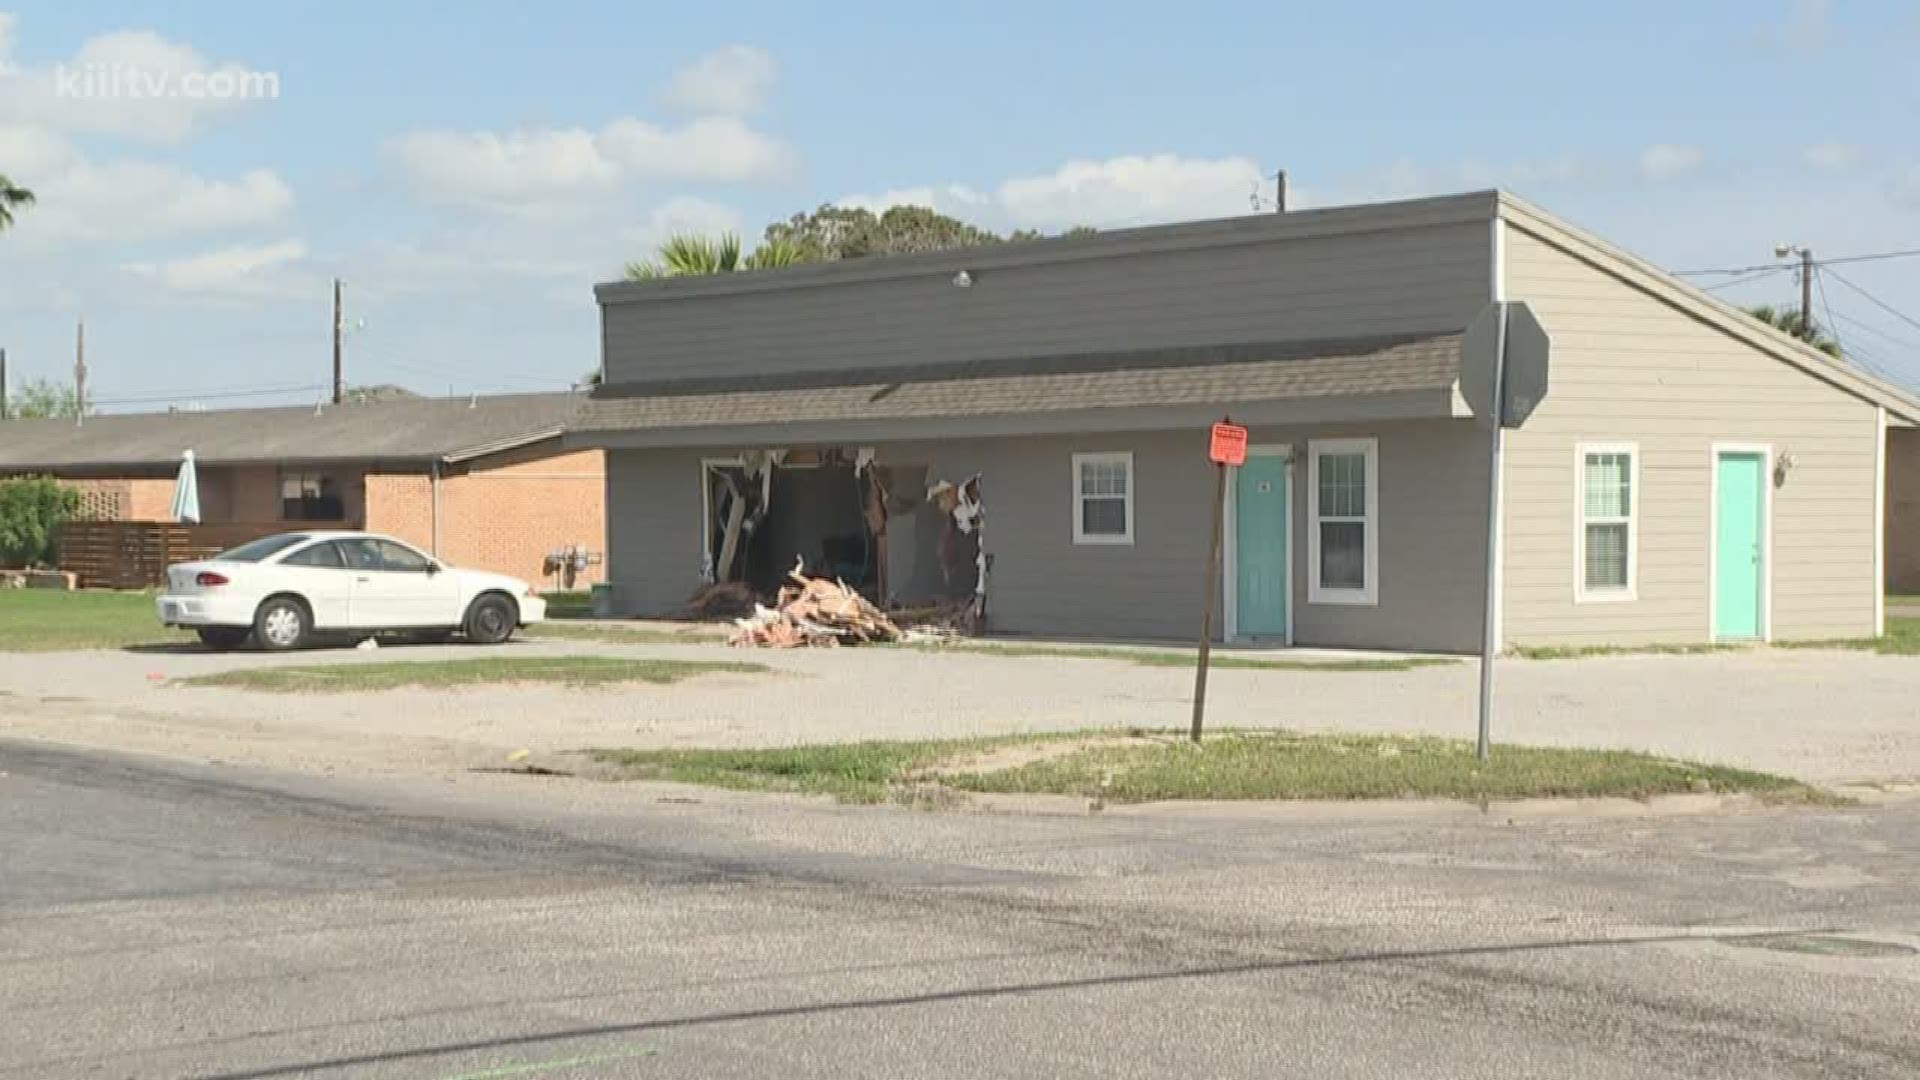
[186, 492]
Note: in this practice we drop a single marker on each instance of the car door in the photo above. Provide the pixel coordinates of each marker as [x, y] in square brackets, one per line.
[395, 586]
[318, 572]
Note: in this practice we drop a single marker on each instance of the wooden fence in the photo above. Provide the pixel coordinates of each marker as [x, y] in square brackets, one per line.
[136, 554]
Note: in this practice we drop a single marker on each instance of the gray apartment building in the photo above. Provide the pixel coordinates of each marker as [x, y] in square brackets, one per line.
[1026, 424]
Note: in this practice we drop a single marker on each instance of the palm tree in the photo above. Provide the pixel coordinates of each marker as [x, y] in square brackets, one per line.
[686, 254]
[1790, 321]
[12, 198]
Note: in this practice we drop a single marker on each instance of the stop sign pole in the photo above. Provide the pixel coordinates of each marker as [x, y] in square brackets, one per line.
[1227, 446]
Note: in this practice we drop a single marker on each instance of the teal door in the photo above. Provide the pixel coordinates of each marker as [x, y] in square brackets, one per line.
[1739, 546]
[1260, 552]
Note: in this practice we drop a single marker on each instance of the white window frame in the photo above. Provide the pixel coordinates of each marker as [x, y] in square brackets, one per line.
[1581, 593]
[1369, 593]
[1104, 457]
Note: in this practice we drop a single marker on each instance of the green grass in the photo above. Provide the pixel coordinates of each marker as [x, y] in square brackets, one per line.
[568, 603]
[616, 634]
[44, 620]
[1902, 639]
[1581, 652]
[1178, 658]
[1228, 765]
[350, 677]
[1897, 598]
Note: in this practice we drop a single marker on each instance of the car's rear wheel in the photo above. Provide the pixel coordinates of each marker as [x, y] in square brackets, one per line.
[282, 623]
[491, 619]
[223, 637]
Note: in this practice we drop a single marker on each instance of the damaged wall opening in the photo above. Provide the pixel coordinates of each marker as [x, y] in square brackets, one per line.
[884, 530]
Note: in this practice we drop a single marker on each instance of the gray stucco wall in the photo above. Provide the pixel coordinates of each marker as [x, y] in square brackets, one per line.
[1315, 274]
[1430, 522]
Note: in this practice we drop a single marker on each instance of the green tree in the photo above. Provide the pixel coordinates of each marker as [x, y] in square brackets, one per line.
[689, 254]
[1791, 321]
[13, 198]
[43, 399]
[31, 510]
[849, 232]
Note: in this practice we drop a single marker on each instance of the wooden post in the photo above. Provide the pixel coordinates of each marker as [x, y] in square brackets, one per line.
[1213, 588]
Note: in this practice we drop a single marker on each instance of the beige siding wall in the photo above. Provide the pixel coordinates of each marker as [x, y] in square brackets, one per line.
[1042, 583]
[1630, 368]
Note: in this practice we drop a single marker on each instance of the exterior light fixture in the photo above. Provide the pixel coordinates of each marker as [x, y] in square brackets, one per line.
[963, 280]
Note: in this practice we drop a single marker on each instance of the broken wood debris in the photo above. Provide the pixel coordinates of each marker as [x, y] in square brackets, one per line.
[719, 600]
[814, 612]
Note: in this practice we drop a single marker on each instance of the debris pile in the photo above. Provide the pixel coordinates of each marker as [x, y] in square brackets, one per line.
[814, 612]
[718, 600]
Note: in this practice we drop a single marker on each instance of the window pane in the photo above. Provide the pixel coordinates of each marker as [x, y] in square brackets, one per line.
[361, 555]
[1103, 478]
[255, 550]
[1607, 556]
[397, 557]
[1343, 555]
[1103, 517]
[1343, 485]
[1609, 485]
[321, 555]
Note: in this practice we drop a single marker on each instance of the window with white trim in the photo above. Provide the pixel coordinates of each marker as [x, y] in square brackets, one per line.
[1343, 527]
[1103, 498]
[1608, 494]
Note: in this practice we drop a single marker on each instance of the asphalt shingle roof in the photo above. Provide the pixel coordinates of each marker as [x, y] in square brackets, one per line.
[1223, 376]
[403, 429]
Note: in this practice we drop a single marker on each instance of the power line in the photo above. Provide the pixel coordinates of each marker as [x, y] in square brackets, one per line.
[1833, 326]
[1744, 280]
[207, 395]
[1862, 324]
[1879, 303]
[1836, 260]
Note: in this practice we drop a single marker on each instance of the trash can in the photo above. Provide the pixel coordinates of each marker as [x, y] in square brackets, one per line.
[600, 599]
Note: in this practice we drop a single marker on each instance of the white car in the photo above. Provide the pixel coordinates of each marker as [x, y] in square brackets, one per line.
[282, 590]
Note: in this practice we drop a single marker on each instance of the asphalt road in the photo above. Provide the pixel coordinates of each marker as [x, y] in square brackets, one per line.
[159, 919]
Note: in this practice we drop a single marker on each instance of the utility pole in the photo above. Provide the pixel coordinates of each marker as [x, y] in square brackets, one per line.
[339, 373]
[1806, 295]
[1280, 192]
[80, 373]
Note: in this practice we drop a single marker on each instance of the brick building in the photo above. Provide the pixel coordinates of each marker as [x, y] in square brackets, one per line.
[482, 482]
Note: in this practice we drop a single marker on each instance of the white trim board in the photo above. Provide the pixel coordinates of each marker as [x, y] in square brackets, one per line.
[1100, 457]
[1765, 450]
[1880, 522]
[1369, 595]
[1230, 544]
[1581, 593]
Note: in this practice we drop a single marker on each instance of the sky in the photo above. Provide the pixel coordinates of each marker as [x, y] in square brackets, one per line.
[204, 171]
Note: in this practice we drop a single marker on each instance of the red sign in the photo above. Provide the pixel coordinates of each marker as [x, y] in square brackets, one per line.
[1229, 445]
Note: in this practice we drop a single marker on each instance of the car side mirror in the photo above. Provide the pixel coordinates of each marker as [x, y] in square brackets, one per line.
[433, 568]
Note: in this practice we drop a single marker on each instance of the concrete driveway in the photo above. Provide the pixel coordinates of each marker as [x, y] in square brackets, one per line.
[1829, 717]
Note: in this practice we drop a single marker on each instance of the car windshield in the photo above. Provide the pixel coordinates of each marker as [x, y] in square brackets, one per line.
[255, 550]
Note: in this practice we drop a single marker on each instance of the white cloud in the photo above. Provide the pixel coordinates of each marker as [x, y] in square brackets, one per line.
[728, 81]
[248, 271]
[564, 258]
[81, 201]
[530, 171]
[131, 83]
[1670, 161]
[1802, 26]
[1116, 192]
[956, 199]
[1131, 190]
[1834, 156]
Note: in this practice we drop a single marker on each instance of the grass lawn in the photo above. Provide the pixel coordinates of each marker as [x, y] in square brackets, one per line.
[349, 677]
[1180, 658]
[617, 634]
[568, 603]
[44, 620]
[1228, 765]
[1902, 639]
